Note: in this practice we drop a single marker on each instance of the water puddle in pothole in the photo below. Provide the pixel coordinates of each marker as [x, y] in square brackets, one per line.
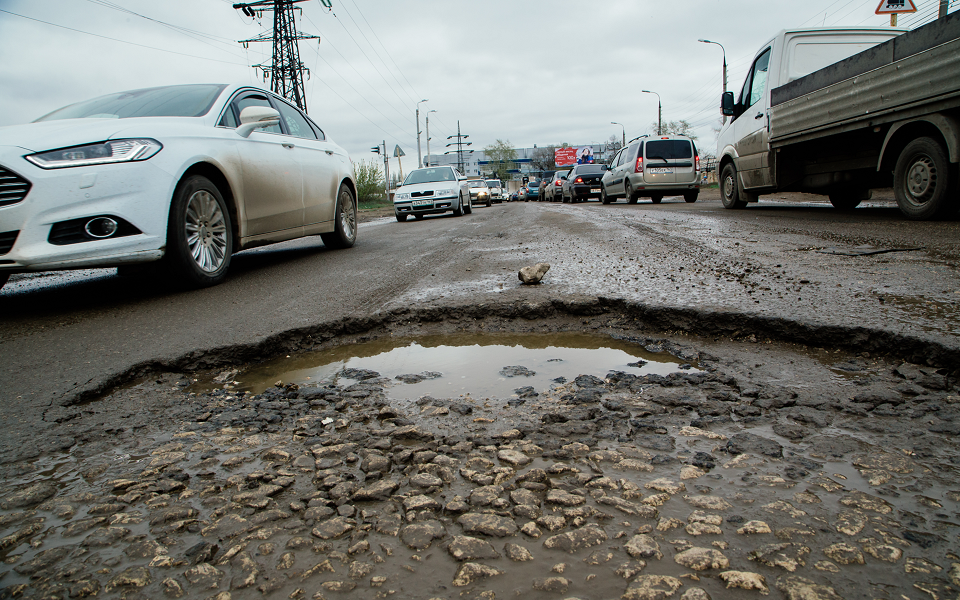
[474, 364]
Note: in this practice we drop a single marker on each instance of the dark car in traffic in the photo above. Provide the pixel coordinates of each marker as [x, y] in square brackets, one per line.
[583, 183]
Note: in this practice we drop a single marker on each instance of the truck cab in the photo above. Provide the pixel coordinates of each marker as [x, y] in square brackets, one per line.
[791, 54]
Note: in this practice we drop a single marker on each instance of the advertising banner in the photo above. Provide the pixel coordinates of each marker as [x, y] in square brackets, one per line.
[565, 157]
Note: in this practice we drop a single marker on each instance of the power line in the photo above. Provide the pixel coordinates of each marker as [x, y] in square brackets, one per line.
[118, 40]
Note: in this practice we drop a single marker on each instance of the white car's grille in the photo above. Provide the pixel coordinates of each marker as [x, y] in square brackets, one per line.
[13, 188]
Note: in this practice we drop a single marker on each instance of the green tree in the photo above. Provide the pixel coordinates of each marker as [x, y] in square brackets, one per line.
[502, 158]
[369, 177]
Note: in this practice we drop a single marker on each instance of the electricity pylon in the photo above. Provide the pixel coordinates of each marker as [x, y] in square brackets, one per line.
[459, 144]
[285, 70]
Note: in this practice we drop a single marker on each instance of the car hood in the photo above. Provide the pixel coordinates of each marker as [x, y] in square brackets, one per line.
[50, 135]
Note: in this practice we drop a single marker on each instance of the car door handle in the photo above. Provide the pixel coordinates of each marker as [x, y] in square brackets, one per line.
[759, 116]
[330, 152]
[288, 145]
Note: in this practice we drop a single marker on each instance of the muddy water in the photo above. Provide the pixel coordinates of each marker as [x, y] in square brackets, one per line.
[468, 364]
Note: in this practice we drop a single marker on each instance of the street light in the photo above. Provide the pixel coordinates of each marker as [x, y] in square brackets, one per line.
[724, 67]
[659, 110]
[428, 132]
[623, 131]
[419, 156]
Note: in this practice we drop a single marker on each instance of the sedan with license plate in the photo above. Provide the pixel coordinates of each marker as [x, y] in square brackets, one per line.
[432, 191]
[496, 190]
[582, 183]
[479, 192]
[182, 176]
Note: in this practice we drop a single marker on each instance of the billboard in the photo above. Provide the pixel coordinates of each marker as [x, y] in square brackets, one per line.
[565, 157]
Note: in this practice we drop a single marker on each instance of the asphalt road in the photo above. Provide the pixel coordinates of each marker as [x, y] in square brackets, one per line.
[65, 334]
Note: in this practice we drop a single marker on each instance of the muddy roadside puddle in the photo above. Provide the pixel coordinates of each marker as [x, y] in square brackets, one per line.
[623, 471]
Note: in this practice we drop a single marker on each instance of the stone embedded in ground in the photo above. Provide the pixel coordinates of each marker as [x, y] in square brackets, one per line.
[132, 577]
[533, 274]
[643, 546]
[652, 587]
[695, 594]
[517, 553]
[517, 371]
[864, 501]
[578, 539]
[743, 443]
[888, 553]
[800, 588]
[469, 573]
[665, 485]
[487, 524]
[463, 548]
[702, 559]
[557, 585]
[332, 528]
[204, 576]
[753, 528]
[512, 457]
[708, 502]
[787, 556]
[419, 536]
[745, 580]
[564, 498]
[844, 554]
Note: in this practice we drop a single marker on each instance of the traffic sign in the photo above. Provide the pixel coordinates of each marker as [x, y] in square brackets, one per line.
[892, 7]
[397, 152]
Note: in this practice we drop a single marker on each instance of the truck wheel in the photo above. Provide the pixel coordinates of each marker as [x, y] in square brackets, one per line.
[729, 190]
[690, 196]
[656, 198]
[921, 181]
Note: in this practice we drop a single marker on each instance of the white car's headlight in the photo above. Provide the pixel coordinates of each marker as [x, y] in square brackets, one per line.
[449, 192]
[113, 151]
[402, 196]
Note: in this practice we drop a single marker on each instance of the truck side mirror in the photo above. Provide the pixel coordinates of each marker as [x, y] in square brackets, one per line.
[726, 104]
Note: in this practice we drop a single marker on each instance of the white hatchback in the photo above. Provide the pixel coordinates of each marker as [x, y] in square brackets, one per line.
[183, 175]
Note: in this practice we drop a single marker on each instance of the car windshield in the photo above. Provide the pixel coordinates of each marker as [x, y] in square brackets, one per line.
[429, 175]
[669, 149]
[474, 184]
[590, 169]
[170, 101]
[493, 183]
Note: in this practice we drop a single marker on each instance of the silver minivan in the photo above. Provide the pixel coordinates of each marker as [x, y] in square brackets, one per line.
[653, 167]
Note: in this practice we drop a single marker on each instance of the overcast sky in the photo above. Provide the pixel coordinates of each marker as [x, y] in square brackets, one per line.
[528, 71]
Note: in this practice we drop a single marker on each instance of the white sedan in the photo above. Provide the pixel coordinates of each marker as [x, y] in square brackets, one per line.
[183, 175]
[431, 191]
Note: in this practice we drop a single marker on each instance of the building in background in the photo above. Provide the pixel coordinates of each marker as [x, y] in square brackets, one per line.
[475, 164]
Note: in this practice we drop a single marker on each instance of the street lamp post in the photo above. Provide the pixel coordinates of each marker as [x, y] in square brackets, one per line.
[623, 131]
[724, 67]
[428, 133]
[659, 111]
[419, 156]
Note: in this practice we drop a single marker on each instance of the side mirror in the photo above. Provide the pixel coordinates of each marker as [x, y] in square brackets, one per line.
[563, 178]
[727, 104]
[604, 167]
[256, 117]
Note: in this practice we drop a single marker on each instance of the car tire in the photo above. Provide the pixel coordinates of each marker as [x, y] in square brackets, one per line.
[656, 198]
[629, 193]
[729, 190]
[458, 211]
[921, 181]
[690, 197]
[199, 233]
[489, 203]
[401, 218]
[604, 198]
[344, 234]
[468, 208]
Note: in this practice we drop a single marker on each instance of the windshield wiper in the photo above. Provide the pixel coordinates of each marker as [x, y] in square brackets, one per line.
[660, 157]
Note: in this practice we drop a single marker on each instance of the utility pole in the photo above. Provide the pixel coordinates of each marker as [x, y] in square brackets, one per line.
[428, 134]
[419, 155]
[285, 70]
[944, 5]
[459, 144]
[386, 167]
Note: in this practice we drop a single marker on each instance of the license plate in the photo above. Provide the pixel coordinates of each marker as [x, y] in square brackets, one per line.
[422, 202]
[594, 190]
[660, 170]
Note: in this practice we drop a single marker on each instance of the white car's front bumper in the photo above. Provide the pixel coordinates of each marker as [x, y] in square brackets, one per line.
[137, 193]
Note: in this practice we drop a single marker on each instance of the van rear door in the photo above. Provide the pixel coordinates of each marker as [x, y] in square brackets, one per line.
[668, 161]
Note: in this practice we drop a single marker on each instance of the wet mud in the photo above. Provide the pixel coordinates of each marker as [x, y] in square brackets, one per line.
[770, 467]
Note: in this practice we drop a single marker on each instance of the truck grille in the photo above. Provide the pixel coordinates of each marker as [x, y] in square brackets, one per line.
[13, 188]
[7, 239]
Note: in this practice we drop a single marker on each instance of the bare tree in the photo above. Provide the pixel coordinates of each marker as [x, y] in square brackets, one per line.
[612, 145]
[680, 127]
[542, 159]
[502, 159]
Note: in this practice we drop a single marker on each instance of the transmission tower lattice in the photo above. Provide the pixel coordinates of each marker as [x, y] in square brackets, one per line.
[285, 70]
[459, 144]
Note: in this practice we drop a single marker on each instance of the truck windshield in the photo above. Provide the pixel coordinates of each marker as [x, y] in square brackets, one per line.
[669, 149]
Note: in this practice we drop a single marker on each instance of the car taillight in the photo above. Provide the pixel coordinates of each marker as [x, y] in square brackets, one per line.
[698, 164]
[639, 167]
[558, 183]
[578, 180]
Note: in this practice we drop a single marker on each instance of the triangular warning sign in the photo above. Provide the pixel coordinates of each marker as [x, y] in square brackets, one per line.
[891, 7]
